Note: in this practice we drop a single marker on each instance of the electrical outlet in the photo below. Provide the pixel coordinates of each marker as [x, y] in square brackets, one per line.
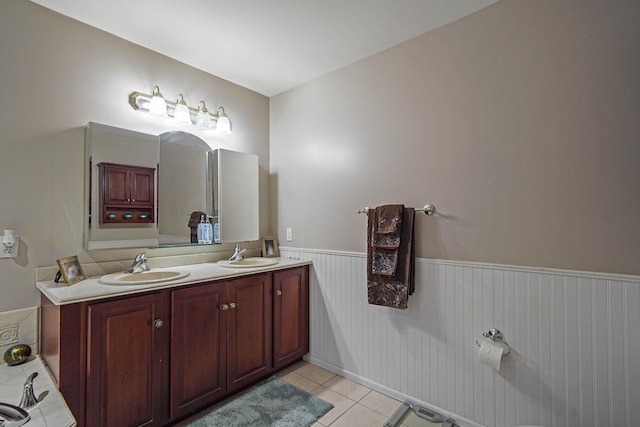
[9, 244]
[289, 234]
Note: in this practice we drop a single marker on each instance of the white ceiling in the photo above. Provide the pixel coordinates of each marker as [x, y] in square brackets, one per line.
[267, 46]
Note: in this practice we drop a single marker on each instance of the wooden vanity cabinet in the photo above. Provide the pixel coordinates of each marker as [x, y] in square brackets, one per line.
[152, 358]
[127, 360]
[249, 327]
[290, 315]
[110, 358]
[220, 340]
[126, 193]
[63, 347]
[198, 347]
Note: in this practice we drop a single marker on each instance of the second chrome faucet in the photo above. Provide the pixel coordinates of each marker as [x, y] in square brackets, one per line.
[237, 254]
[139, 264]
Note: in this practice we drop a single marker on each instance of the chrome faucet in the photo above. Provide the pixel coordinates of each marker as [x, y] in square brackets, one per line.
[139, 264]
[28, 397]
[12, 416]
[237, 254]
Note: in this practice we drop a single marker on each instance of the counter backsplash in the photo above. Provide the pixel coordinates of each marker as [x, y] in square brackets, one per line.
[44, 274]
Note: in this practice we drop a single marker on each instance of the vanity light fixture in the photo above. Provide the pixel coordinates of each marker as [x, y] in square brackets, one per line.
[156, 105]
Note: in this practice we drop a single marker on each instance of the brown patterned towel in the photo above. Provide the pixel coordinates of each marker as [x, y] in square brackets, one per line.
[385, 238]
[388, 219]
[390, 256]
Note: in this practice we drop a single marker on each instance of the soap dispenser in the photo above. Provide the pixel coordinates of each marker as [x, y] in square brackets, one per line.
[201, 230]
[208, 239]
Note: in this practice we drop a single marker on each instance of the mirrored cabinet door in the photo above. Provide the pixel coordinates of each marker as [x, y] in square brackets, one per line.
[120, 184]
[185, 187]
[236, 197]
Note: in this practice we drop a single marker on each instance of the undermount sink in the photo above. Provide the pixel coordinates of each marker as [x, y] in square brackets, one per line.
[249, 263]
[144, 278]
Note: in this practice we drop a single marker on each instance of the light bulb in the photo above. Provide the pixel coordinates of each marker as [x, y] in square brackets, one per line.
[181, 113]
[203, 119]
[223, 125]
[157, 106]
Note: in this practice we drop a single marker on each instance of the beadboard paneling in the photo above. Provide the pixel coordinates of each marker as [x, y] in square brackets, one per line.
[575, 339]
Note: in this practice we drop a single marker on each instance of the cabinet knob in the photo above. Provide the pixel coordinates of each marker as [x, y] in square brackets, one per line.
[128, 200]
[158, 323]
[224, 307]
[133, 200]
[232, 305]
[278, 292]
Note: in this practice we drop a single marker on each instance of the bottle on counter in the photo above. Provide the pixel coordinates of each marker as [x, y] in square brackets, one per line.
[216, 231]
[208, 232]
[201, 230]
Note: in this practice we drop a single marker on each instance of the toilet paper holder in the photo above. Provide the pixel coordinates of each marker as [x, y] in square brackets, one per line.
[496, 336]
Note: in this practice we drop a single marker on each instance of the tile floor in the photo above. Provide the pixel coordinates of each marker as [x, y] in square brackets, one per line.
[353, 404]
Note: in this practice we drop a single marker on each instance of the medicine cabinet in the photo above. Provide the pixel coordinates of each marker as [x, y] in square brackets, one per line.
[189, 179]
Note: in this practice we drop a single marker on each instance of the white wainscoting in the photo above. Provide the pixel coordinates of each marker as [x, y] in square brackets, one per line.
[575, 338]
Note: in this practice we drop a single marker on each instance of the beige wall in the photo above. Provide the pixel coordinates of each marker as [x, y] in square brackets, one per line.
[520, 123]
[56, 76]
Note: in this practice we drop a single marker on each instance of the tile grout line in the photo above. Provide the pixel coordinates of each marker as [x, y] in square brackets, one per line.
[353, 403]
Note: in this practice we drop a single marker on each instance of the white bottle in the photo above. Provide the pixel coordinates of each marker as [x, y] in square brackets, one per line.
[208, 232]
[201, 230]
[216, 232]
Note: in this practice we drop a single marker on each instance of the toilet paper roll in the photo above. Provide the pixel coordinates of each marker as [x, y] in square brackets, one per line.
[490, 354]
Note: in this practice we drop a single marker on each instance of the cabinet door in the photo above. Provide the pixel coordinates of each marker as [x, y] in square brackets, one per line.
[198, 347]
[127, 347]
[291, 315]
[249, 330]
[142, 186]
[115, 185]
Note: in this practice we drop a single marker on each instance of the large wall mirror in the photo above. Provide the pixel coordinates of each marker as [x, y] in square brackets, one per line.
[184, 179]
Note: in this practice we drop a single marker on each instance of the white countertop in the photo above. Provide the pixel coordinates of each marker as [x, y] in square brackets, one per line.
[90, 289]
[51, 410]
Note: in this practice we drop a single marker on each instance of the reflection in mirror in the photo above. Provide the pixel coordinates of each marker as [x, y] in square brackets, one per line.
[118, 212]
[184, 187]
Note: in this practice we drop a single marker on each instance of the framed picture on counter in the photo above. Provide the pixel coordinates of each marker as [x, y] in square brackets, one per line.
[270, 247]
[71, 270]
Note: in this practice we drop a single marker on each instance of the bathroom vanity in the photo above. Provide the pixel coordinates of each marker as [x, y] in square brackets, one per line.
[125, 355]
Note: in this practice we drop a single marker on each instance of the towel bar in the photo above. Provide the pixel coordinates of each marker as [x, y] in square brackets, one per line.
[427, 209]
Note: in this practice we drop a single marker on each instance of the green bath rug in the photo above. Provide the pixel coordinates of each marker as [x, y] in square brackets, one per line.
[273, 403]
